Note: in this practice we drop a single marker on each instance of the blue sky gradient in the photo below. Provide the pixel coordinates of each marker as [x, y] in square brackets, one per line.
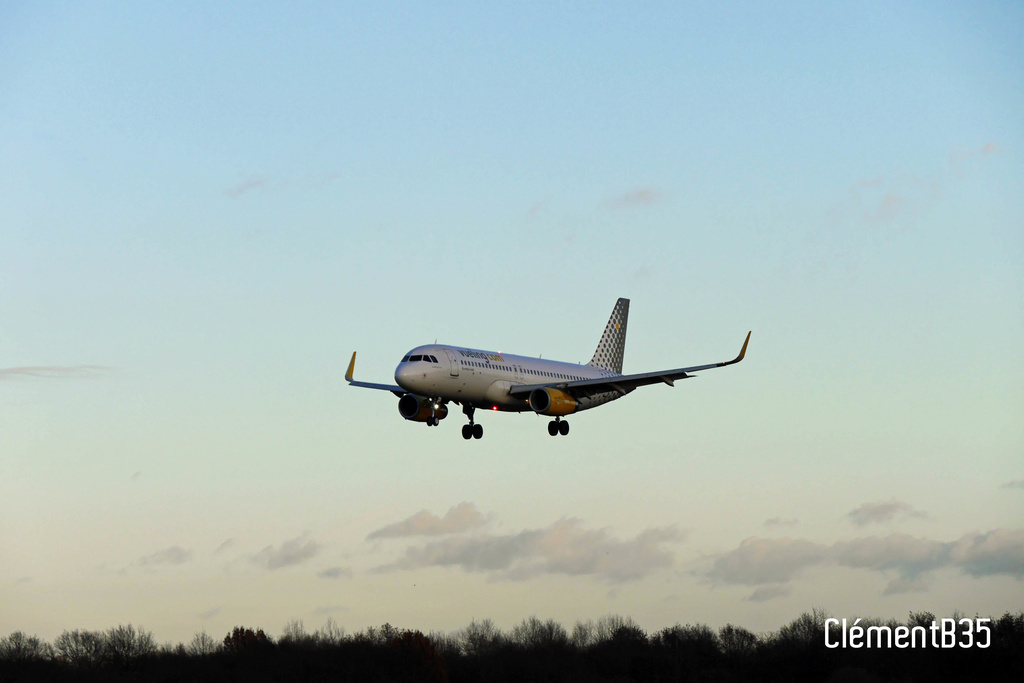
[206, 209]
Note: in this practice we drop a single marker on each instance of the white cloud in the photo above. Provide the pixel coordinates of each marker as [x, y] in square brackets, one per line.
[291, 552]
[336, 573]
[775, 562]
[779, 521]
[872, 513]
[769, 592]
[767, 560]
[224, 546]
[173, 555]
[564, 547]
[463, 517]
[1000, 551]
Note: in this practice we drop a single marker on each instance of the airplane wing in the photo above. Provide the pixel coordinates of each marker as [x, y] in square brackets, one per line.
[393, 388]
[624, 384]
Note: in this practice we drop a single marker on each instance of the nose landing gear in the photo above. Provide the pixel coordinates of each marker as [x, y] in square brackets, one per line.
[558, 426]
[472, 430]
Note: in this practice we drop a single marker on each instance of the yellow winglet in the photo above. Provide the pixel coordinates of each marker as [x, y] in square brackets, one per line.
[743, 351]
[352, 366]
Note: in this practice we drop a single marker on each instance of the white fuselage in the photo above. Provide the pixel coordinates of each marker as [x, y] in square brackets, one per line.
[482, 379]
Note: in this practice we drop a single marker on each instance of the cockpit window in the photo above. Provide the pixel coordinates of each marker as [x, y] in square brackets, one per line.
[413, 359]
[406, 359]
[433, 360]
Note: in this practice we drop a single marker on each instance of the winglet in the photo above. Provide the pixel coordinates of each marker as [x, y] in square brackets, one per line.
[743, 351]
[738, 358]
[352, 365]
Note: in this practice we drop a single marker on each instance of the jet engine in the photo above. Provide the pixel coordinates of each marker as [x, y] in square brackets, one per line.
[552, 402]
[420, 408]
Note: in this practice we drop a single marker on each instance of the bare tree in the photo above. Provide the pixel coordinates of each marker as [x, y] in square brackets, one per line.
[126, 644]
[330, 634]
[19, 647]
[202, 644]
[79, 648]
[737, 641]
[295, 634]
[480, 638]
[584, 635]
[807, 629]
[533, 632]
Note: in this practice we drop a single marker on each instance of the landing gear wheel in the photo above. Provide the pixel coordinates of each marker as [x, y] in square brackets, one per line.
[467, 432]
[563, 428]
[553, 428]
[478, 431]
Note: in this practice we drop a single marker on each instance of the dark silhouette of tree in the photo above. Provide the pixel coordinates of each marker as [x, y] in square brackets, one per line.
[19, 647]
[737, 642]
[201, 645]
[685, 652]
[421, 656]
[614, 649]
[79, 649]
[481, 638]
[534, 633]
[246, 640]
[125, 645]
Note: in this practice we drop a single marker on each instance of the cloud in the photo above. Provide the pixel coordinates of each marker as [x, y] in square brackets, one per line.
[564, 547]
[55, 371]
[871, 513]
[772, 562]
[906, 584]
[766, 560]
[224, 546]
[173, 555]
[888, 200]
[770, 592]
[639, 197]
[907, 554]
[210, 613]
[462, 517]
[1000, 551]
[251, 183]
[336, 573]
[1015, 484]
[779, 521]
[291, 552]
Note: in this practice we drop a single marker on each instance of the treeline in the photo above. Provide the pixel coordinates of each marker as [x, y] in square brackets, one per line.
[611, 649]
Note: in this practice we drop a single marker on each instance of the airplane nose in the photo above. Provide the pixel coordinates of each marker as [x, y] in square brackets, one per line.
[405, 375]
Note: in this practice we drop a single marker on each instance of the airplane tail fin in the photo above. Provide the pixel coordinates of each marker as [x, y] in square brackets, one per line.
[608, 355]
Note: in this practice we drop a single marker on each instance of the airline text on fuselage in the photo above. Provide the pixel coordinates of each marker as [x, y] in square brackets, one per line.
[482, 356]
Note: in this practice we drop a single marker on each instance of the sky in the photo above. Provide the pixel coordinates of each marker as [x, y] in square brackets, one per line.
[205, 208]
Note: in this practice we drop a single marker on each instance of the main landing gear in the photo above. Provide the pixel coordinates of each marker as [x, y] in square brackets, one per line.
[558, 426]
[472, 430]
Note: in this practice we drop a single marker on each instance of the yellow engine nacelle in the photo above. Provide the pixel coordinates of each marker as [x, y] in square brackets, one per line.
[552, 402]
[420, 409]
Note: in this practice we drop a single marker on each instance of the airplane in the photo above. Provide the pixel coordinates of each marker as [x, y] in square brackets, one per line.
[431, 376]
